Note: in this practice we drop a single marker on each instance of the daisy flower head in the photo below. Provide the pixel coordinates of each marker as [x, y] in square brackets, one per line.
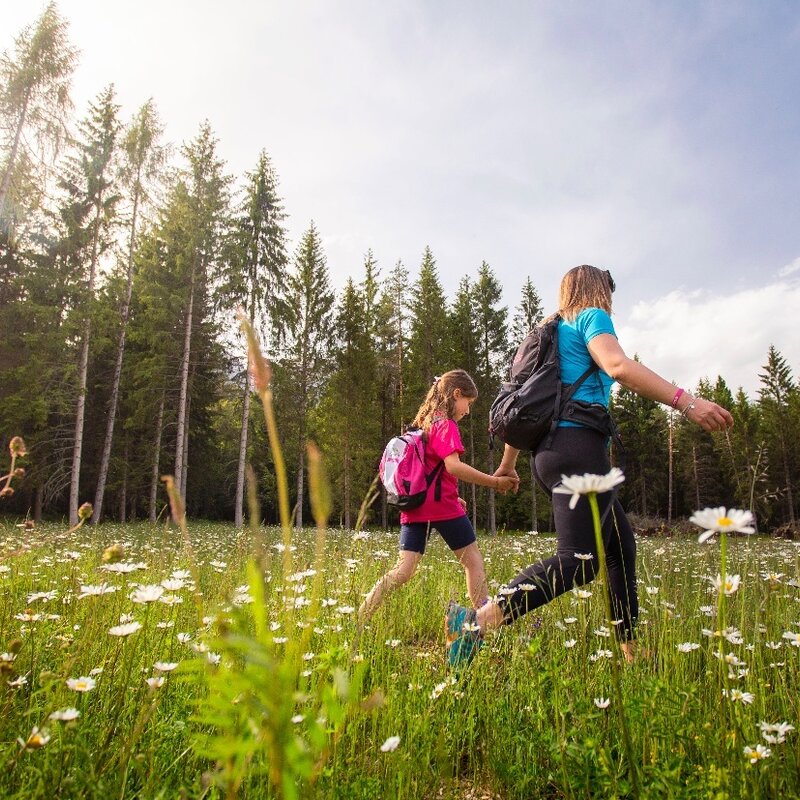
[82, 684]
[390, 745]
[576, 485]
[757, 753]
[775, 733]
[736, 695]
[722, 520]
[146, 594]
[729, 586]
[126, 629]
[65, 714]
[602, 702]
[38, 738]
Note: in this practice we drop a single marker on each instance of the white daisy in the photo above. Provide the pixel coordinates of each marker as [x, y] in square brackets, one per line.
[720, 520]
[757, 753]
[576, 485]
[65, 714]
[390, 745]
[126, 629]
[82, 684]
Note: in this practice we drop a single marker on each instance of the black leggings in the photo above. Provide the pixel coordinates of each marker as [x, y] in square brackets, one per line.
[576, 451]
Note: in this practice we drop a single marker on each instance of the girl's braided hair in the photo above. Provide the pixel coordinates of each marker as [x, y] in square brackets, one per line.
[440, 403]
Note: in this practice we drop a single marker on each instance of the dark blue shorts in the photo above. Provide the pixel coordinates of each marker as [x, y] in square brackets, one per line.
[457, 533]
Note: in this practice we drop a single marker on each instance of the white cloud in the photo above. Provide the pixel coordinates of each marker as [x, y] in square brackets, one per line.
[689, 335]
[789, 269]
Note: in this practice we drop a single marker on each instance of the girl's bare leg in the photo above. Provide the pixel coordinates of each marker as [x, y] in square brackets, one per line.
[401, 573]
[472, 561]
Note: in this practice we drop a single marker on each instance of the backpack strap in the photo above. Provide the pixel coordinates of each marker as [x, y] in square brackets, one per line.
[436, 475]
[561, 401]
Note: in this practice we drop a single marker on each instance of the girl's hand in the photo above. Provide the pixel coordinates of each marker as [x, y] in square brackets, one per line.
[508, 472]
[463, 503]
[506, 483]
[708, 415]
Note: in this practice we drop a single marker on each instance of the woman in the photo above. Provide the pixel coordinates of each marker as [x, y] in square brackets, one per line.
[585, 335]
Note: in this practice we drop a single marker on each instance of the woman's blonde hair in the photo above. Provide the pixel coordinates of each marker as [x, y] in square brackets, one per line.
[584, 287]
[440, 401]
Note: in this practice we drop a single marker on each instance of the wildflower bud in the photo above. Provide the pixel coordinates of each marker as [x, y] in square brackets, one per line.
[376, 700]
[85, 511]
[18, 472]
[319, 488]
[258, 366]
[259, 370]
[175, 500]
[5, 667]
[17, 447]
[15, 645]
[113, 553]
[6, 491]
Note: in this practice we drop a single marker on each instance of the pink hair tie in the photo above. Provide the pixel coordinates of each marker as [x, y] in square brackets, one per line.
[677, 397]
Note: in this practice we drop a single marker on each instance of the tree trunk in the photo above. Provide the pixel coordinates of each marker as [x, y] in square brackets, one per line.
[300, 483]
[83, 369]
[123, 492]
[347, 480]
[185, 469]
[182, 401]
[788, 480]
[238, 515]
[492, 495]
[670, 443]
[696, 477]
[37, 503]
[112, 405]
[154, 476]
[6, 183]
[473, 487]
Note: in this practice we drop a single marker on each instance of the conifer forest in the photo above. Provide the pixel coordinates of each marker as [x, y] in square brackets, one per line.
[124, 261]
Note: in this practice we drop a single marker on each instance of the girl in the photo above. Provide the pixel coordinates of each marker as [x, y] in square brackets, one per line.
[447, 402]
[585, 334]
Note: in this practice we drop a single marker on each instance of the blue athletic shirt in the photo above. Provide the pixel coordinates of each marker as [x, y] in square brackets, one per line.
[573, 338]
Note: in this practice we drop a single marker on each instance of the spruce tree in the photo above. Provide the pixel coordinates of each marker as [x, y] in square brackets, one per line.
[143, 160]
[208, 224]
[778, 399]
[34, 109]
[255, 281]
[91, 182]
[306, 359]
[429, 334]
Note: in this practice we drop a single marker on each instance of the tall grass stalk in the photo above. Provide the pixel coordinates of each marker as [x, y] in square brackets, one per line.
[616, 661]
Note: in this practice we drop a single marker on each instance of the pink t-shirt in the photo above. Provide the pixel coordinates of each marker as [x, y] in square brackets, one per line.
[443, 439]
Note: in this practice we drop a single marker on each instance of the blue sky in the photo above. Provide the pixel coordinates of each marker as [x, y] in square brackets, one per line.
[656, 139]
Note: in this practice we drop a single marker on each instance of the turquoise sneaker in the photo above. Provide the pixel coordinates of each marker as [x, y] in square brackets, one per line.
[463, 634]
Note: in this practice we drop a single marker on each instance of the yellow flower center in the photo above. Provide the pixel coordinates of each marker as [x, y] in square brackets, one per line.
[724, 522]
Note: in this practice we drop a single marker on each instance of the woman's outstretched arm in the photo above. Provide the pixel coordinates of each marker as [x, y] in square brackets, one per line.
[610, 357]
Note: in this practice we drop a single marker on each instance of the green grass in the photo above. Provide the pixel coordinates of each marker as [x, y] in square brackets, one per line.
[313, 711]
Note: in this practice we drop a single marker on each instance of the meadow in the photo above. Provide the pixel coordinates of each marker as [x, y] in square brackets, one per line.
[144, 661]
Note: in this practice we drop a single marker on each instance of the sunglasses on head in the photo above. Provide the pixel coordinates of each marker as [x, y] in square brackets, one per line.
[611, 284]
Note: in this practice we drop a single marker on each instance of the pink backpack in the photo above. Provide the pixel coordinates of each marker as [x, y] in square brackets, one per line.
[402, 471]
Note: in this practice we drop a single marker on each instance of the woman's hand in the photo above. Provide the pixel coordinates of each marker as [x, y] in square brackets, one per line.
[504, 471]
[709, 416]
[505, 483]
[463, 503]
